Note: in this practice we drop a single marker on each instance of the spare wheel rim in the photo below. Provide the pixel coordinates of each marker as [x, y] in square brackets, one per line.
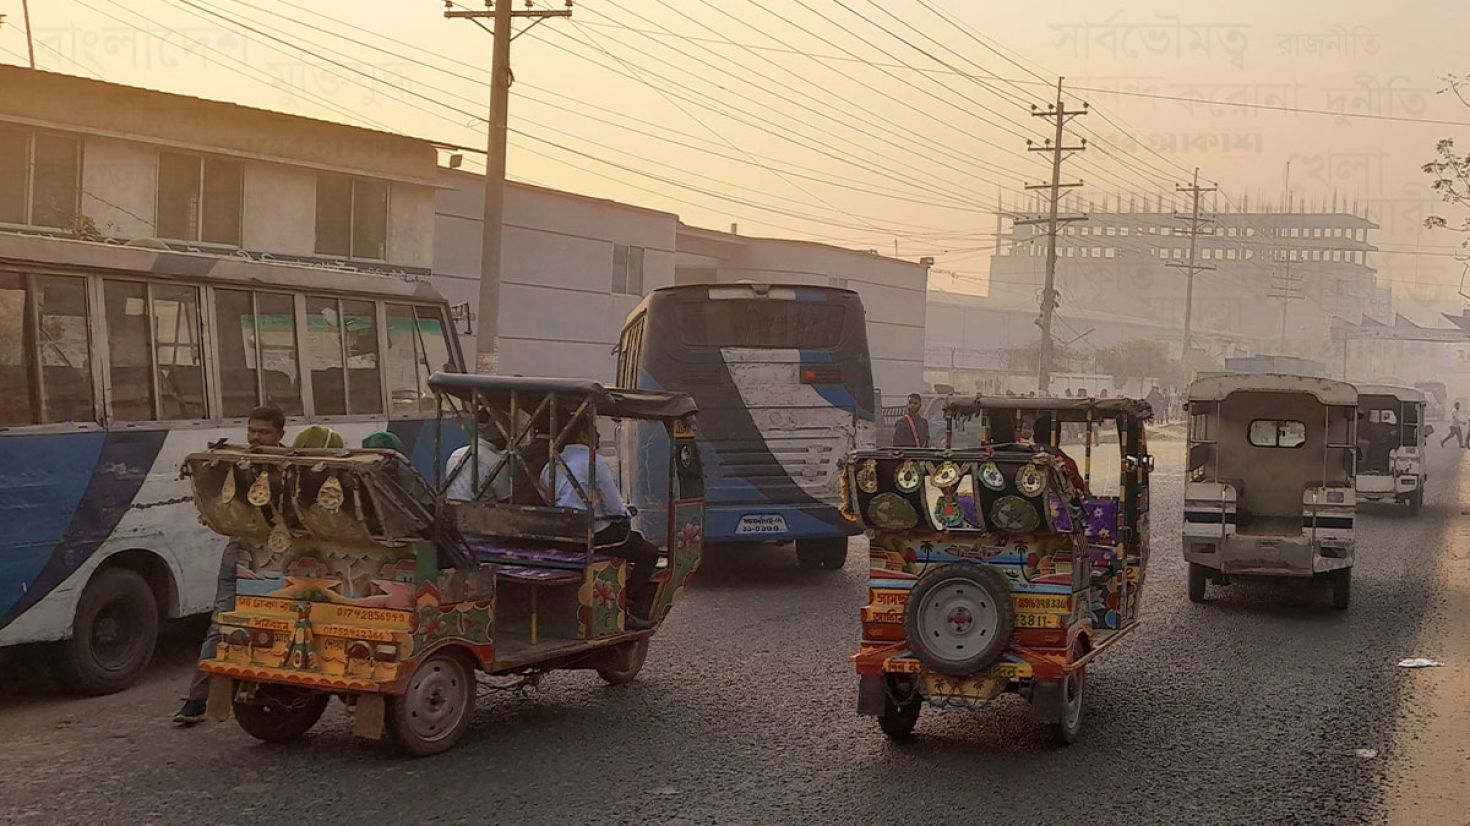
[957, 620]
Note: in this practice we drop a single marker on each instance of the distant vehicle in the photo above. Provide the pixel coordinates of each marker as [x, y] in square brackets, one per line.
[784, 385]
[1269, 485]
[1391, 434]
[114, 376]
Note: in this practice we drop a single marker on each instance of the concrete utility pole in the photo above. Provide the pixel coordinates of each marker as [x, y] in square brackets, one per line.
[1193, 267]
[1060, 115]
[486, 350]
[1288, 288]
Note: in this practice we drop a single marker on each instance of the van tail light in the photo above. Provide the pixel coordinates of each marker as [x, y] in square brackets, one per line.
[821, 374]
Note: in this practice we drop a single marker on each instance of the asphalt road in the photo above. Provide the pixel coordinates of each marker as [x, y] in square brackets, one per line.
[1247, 709]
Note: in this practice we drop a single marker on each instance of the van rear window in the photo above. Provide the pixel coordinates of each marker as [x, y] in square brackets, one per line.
[1277, 433]
[762, 324]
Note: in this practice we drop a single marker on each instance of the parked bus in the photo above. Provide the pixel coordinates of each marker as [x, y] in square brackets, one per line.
[117, 362]
[784, 387]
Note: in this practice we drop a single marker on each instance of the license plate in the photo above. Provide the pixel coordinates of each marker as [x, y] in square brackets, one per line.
[1039, 620]
[755, 524]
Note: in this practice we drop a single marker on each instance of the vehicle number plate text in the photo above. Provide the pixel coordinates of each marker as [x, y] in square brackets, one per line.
[755, 524]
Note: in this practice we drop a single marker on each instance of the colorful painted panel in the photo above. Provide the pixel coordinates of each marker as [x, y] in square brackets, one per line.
[685, 551]
[603, 600]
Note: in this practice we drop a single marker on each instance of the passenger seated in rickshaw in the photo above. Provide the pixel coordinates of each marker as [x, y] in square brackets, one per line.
[1044, 432]
[614, 533]
[492, 446]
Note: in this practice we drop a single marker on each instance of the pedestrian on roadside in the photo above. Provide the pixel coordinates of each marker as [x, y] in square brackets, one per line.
[911, 429]
[1457, 427]
[264, 427]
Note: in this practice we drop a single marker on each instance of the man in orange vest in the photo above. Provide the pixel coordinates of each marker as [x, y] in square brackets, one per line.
[911, 429]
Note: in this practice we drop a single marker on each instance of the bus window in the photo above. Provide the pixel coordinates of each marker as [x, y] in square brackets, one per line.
[128, 347]
[762, 323]
[55, 341]
[324, 356]
[179, 355]
[257, 352]
[434, 352]
[364, 383]
[401, 363]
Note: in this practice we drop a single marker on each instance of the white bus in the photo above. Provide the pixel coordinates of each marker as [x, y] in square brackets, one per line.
[115, 363]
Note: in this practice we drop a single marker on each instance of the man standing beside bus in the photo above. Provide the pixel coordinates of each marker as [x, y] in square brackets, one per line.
[265, 427]
[911, 429]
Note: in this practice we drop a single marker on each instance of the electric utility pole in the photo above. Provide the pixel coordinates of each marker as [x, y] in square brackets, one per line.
[1288, 288]
[1059, 115]
[1193, 267]
[486, 356]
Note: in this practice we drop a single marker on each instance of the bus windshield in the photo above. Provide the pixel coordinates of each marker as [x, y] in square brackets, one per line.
[762, 324]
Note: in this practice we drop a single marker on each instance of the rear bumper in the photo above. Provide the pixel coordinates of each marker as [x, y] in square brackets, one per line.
[1271, 557]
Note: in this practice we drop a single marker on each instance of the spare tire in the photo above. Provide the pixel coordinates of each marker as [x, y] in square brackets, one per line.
[959, 618]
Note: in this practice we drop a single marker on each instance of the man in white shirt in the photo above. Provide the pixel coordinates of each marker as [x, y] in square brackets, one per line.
[614, 535]
[464, 477]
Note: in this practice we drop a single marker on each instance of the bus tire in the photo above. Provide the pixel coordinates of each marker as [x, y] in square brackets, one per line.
[828, 554]
[281, 714]
[113, 633]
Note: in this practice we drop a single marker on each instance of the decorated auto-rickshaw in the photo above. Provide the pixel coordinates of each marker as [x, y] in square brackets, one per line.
[997, 568]
[359, 579]
[1269, 484]
[1391, 439]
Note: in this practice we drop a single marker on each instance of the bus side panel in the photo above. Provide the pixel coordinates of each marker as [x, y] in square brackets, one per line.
[75, 499]
[45, 478]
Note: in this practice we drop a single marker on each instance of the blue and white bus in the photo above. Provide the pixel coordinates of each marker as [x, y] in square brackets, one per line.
[116, 362]
[784, 385]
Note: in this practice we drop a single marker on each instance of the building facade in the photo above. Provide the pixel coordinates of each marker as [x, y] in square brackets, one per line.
[573, 267]
[1127, 264]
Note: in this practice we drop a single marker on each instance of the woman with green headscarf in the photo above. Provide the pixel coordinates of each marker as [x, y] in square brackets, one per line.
[383, 440]
[317, 437]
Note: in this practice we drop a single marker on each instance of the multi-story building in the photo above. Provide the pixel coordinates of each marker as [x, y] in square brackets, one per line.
[1117, 263]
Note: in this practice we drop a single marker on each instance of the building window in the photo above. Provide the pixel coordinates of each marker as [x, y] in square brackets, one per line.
[40, 177]
[627, 270]
[199, 198]
[351, 217]
[45, 354]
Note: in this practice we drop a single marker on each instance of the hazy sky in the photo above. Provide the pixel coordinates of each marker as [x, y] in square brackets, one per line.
[824, 119]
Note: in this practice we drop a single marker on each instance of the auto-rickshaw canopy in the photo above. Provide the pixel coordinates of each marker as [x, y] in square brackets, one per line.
[1403, 394]
[614, 402]
[1065, 409]
[1327, 391]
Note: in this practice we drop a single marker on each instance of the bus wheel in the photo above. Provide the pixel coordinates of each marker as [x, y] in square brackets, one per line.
[827, 554]
[113, 634]
[280, 714]
[434, 712]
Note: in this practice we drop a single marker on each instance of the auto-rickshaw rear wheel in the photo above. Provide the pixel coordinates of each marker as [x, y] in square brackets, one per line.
[433, 713]
[901, 706]
[1342, 588]
[627, 660]
[1199, 576]
[279, 713]
[1074, 690]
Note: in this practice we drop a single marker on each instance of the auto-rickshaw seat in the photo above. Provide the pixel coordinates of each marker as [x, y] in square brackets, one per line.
[531, 554]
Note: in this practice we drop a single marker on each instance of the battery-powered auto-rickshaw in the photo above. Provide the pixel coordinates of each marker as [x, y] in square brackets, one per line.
[356, 578]
[1391, 436]
[998, 568]
[1269, 485]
